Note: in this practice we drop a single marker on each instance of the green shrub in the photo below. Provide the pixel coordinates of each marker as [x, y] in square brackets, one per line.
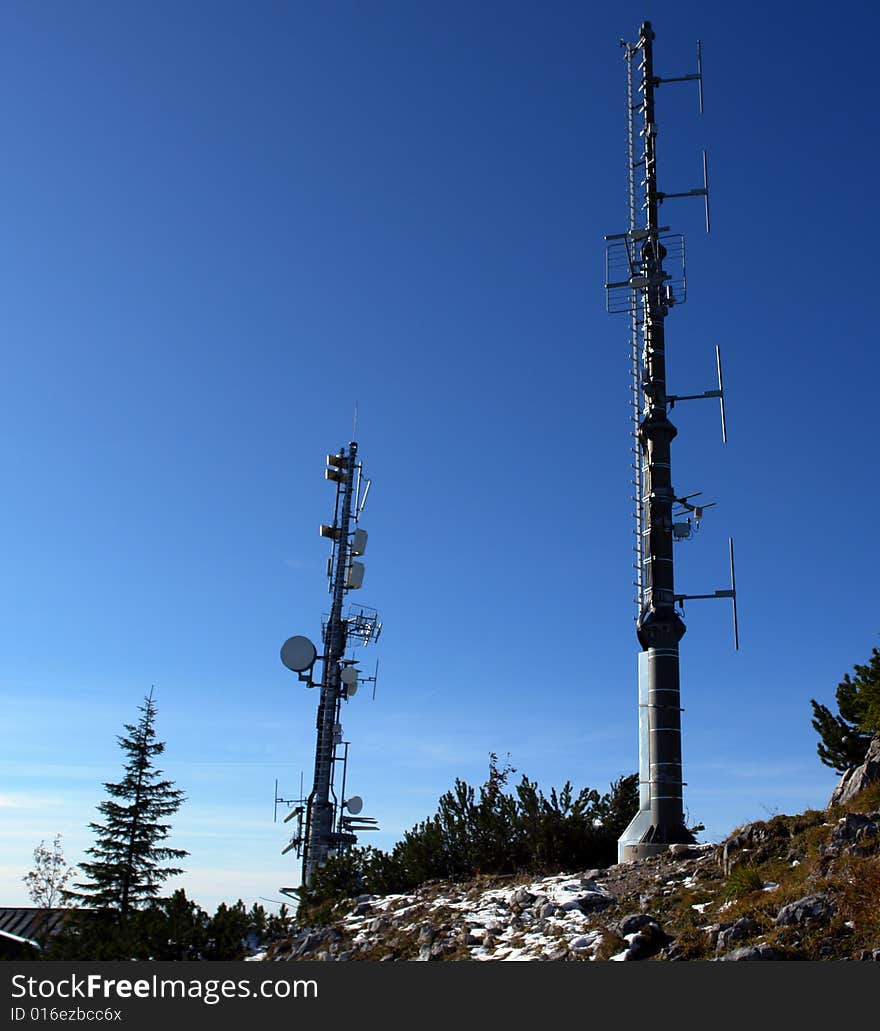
[488, 831]
[742, 880]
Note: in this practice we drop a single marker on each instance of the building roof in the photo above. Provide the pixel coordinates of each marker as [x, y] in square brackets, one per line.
[29, 924]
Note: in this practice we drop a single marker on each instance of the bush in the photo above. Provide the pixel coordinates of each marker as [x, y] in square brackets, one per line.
[167, 929]
[743, 879]
[487, 831]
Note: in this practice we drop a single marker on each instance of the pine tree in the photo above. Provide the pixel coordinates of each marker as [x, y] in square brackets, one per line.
[845, 737]
[127, 868]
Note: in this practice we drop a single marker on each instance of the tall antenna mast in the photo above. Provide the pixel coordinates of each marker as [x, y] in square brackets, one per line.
[323, 828]
[640, 284]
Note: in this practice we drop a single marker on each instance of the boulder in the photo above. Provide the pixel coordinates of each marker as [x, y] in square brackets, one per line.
[680, 850]
[556, 952]
[594, 901]
[739, 931]
[634, 922]
[522, 897]
[647, 941]
[855, 834]
[713, 932]
[810, 911]
[738, 846]
[750, 953]
[860, 777]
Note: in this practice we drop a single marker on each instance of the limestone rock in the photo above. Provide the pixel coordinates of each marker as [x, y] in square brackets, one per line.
[855, 834]
[647, 942]
[860, 777]
[739, 931]
[810, 911]
[737, 847]
[593, 901]
[634, 922]
[749, 953]
[522, 897]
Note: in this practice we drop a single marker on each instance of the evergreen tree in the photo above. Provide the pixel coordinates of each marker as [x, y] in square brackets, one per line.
[127, 870]
[845, 737]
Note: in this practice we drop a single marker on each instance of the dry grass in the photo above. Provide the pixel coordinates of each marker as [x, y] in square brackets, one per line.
[858, 897]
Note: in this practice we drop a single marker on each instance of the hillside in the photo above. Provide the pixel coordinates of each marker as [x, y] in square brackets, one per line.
[801, 887]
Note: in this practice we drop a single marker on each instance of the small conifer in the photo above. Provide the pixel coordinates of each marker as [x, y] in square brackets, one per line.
[127, 869]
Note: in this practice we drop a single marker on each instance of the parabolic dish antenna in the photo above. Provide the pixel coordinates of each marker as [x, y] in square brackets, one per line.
[349, 676]
[298, 654]
[354, 804]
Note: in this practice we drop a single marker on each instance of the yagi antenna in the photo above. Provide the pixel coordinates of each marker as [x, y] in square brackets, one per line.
[733, 596]
[730, 592]
[698, 78]
[702, 191]
[374, 679]
[362, 501]
[719, 393]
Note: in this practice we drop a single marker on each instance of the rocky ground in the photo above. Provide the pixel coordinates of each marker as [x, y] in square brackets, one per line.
[793, 887]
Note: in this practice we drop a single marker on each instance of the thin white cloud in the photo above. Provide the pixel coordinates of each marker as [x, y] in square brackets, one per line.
[296, 563]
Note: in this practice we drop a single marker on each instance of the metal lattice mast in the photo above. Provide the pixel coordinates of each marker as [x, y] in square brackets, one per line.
[320, 809]
[326, 824]
[636, 322]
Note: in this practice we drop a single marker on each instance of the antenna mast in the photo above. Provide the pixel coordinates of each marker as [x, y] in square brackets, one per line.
[640, 284]
[323, 829]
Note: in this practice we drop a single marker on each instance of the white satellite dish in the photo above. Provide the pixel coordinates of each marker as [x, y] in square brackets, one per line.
[354, 804]
[349, 675]
[351, 690]
[298, 654]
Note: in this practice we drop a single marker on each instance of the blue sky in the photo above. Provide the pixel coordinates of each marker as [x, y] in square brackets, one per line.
[223, 224]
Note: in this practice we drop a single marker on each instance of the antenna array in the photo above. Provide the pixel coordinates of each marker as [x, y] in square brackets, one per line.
[327, 824]
[645, 278]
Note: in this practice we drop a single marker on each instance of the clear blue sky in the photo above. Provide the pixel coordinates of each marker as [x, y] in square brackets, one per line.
[223, 223]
